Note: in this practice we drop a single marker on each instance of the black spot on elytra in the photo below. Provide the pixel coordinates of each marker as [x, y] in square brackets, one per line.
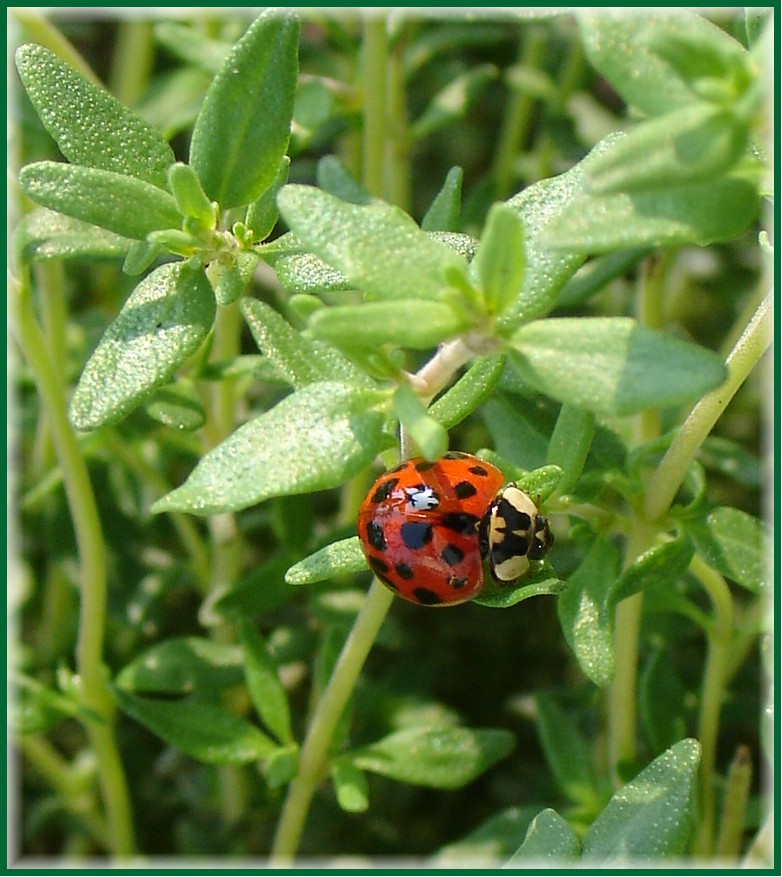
[415, 534]
[378, 565]
[424, 595]
[403, 571]
[384, 490]
[455, 455]
[459, 522]
[457, 582]
[399, 467]
[424, 466]
[375, 536]
[464, 489]
[479, 471]
[452, 555]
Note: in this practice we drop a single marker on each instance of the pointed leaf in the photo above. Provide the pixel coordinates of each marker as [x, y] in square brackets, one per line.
[317, 438]
[429, 436]
[243, 128]
[90, 126]
[125, 205]
[378, 248]
[202, 730]
[341, 558]
[662, 564]
[44, 234]
[467, 394]
[262, 214]
[444, 211]
[490, 843]
[586, 611]
[178, 406]
[651, 816]
[183, 665]
[263, 682]
[612, 365]
[441, 758]
[165, 319]
[500, 261]
[542, 582]
[333, 177]
[549, 840]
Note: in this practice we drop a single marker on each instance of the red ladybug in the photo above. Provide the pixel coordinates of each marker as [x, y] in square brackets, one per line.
[426, 527]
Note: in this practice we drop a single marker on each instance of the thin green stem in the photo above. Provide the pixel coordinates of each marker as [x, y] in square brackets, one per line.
[132, 61]
[746, 353]
[315, 749]
[712, 693]
[374, 71]
[89, 539]
[734, 807]
[398, 139]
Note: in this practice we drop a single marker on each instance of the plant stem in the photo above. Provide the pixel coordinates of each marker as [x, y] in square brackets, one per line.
[374, 68]
[735, 805]
[752, 344]
[132, 62]
[95, 694]
[314, 751]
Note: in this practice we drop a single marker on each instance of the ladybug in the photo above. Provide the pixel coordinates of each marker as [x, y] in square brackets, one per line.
[426, 526]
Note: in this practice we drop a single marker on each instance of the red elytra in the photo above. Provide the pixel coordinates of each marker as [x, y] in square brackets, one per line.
[418, 527]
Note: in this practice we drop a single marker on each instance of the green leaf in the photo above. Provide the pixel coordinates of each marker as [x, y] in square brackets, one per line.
[282, 766]
[90, 126]
[262, 214]
[621, 46]
[414, 323]
[429, 436]
[202, 730]
[736, 544]
[263, 682]
[44, 234]
[444, 211]
[570, 443]
[233, 279]
[178, 406]
[125, 205]
[662, 701]
[257, 592]
[549, 839]
[333, 177]
[38, 708]
[516, 430]
[165, 319]
[298, 360]
[341, 558]
[378, 248]
[441, 758]
[567, 751]
[454, 100]
[586, 611]
[500, 260]
[492, 841]
[689, 145]
[315, 439]
[613, 366]
[243, 128]
[731, 460]
[661, 566]
[191, 46]
[470, 391]
[597, 274]
[651, 816]
[542, 582]
[183, 665]
[350, 786]
[541, 482]
[189, 196]
[690, 213]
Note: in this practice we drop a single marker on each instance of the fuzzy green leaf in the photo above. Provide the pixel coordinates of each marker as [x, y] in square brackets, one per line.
[90, 126]
[243, 128]
[689, 145]
[234, 278]
[613, 366]
[197, 728]
[263, 682]
[662, 565]
[441, 758]
[125, 205]
[586, 611]
[443, 213]
[499, 262]
[414, 323]
[333, 177]
[690, 213]
[541, 582]
[472, 388]
[429, 436]
[44, 234]
[178, 406]
[549, 840]
[262, 214]
[570, 443]
[378, 248]
[183, 665]
[189, 196]
[190, 45]
[165, 319]
[650, 817]
[315, 439]
[736, 544]
[338, 559]
[350, 786]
